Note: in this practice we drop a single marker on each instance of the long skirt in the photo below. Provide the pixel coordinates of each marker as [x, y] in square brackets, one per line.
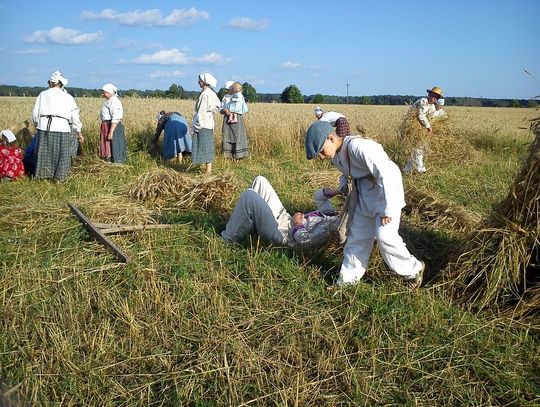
[234, 142]
[203, 147]
[115, 149]
[53, 154]
[176, 139]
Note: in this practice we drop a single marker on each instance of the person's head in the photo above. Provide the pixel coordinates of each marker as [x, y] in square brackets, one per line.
[236, 87]
[322, 141]
[434, 94]
[7, 137]
[108, 90]
[318, 112]
[342, 127]
[228, 85]
[57, 80]
[207, 80]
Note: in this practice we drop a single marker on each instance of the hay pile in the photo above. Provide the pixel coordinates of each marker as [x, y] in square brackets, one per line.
[114, 209]
[494, 269]
[437, 213]
[167, 188]
[446, 141]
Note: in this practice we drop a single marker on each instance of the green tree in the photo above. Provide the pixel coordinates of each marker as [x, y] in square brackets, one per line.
[176, 92]
[318, 99]
[250, 93]
[515, 103]
[366, 100]
[532, 103]
[291, 94]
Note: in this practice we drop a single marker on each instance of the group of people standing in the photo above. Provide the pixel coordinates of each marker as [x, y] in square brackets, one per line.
[177, 140]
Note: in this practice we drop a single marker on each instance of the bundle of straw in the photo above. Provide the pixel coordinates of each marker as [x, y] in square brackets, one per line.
[494, 267]
[168, 188]
[437, 213]
[114, 209]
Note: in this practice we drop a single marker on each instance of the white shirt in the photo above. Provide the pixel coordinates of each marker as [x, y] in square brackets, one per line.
[112, 110]
[425, 110]
[205, 107]
[61, 106]
[378, 179]
[330, 117]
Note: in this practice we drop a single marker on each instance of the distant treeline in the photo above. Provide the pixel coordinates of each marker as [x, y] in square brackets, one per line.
[177, 92]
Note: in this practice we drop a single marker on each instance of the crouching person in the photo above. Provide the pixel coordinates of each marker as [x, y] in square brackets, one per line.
[260, 211]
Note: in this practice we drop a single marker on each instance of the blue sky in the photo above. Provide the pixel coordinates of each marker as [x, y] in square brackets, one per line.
[469, 48]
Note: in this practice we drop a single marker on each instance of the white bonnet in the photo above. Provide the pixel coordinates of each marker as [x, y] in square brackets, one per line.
[8, 134]
[56, 77]
[228, 84]
[109, 88]
[318, 111]
[209, 79]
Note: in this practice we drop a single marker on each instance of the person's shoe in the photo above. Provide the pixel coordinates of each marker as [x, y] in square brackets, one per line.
[416, 281]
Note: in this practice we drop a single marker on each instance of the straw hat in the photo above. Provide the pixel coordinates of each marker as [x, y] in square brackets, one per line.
[436, 90]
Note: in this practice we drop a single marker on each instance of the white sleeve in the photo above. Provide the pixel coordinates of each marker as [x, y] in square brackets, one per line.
[423, 109]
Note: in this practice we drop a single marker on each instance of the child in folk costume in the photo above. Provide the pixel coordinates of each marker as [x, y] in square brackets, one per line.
[424, 109]
[11, 164]
[203, 122]
[112, 137]
[377, 212]
[259, 210]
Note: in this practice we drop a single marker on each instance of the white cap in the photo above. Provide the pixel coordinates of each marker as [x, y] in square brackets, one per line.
[109, 88]
[228, 84]
[209, 79]
[8, 134]
[318, 111]
[440, 101]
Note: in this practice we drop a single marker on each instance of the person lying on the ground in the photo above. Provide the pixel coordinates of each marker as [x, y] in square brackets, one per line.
[259, 211]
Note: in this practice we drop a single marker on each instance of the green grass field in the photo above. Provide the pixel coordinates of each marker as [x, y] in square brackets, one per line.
[190, 321]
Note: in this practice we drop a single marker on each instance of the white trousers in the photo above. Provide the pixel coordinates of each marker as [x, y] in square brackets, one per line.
[258, 210]
[362, 233]
[416, 161]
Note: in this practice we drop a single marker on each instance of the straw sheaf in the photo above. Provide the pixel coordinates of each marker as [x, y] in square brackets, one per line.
[114, 209]
[494, 267]
[168, 188]
[439, 214]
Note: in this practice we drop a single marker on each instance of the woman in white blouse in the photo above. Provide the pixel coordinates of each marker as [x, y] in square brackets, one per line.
[112, 137]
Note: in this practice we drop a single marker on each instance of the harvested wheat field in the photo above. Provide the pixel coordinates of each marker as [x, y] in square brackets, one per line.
[193, 321]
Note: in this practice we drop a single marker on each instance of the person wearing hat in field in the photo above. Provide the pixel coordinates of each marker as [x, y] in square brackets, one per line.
[260, 211]
[234, 136]
[336, 119]
[11, 164]
[377, 213]
[203, 122]
[112, 136]
[424, 109]
[55, 113]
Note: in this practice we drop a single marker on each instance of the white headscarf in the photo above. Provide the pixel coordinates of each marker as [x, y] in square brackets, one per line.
[318, 111]
[209, 79]
[57, 77]
[8, 134]
[228, 84]
[109, 88]
[439, 101]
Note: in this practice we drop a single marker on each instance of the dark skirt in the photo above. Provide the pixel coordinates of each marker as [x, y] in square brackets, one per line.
[53, 155]
[115, 149]
[203, 147]
[234, 142]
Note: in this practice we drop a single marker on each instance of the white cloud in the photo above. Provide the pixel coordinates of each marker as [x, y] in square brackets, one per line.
[246, 23]
[175, 56]
[63, 36]
[165, 74]
[33, 51]
[149, 18]
[289, 65]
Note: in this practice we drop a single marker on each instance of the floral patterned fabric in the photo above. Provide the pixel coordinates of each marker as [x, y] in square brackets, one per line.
[11, 164]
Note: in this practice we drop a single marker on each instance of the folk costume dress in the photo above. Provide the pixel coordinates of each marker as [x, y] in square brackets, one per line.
[234, 143]
[380, 193]
[203, 127]
[114, 150]
[176, 138]
[259, 210]
[54, 114]
[11, 164]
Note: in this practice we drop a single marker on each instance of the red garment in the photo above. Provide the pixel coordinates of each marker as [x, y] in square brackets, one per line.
[104, 142]
[11, 164]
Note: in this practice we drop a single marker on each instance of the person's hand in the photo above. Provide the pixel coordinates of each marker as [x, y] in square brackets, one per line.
[429, 130]
[298, 219]
[109, 137]
[385, 220]
[80, 137]
[331, 192]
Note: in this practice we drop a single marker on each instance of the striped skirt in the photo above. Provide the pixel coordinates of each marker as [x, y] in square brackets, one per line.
[115, 149]
[53, 154]
[234, 142]
[203, 147]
